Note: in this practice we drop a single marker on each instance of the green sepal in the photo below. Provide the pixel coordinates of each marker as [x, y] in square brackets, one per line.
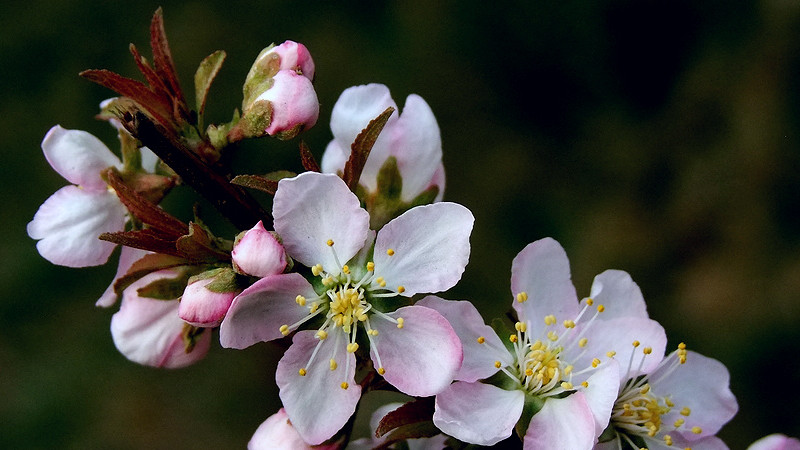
[169, 288]
[609, 434]
[386, 203]
[218, 134]
[148, 264]
[532, 406]
[190, 334]
[203, 78]
[225, 280]
[503, 331]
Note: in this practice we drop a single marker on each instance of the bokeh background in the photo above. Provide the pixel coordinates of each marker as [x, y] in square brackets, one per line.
[656, 137]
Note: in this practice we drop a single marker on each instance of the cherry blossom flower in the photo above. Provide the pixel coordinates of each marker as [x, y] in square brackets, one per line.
[561, 372]
[356, 278]
[775, 442]
[68, 223]
[412, 138]
[148, 331]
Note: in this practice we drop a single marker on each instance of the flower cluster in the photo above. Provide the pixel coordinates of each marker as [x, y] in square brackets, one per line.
[341, 271]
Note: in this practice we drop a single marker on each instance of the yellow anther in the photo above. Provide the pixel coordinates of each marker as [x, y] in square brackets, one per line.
[316, 270]
[529, 372]
[346, 269]
[582, 342]
[370, 266]
[697, 430]
[381, 370]
[590, 301]
[498, 364]
[569, 324]
[566, 385]
[568, 370]
[381, 282]
[552, 336]
[327, 281]
[390, 252]
[521, 327]
[645, 389]
[682, 346]
[522, 297]
[400, 289]
[668, 439]
[314, 307]
[595, 362]
[300, 300]
[344, 385]
[400, 322]
[333, 364]
[549, 320]
[678, 423]
[352, 347]
[373, 332]
[481, 339]
[636, 344]
[322, 335]
[585, 384]
[513, 338]
[647, 350]
[284, 329]
[600, 308]
[611, 354]
[686, 411]
[302, 372]
[330, 242]
[668, 402]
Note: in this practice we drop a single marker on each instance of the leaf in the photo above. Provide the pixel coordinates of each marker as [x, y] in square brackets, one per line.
[309, 163]
[162, 57]
[200, 245]
[135, 90]
[410, 421]
[143, 209]
[148, 239]
[256, 182]
[204, 77]
[359, 150]
[148, 264]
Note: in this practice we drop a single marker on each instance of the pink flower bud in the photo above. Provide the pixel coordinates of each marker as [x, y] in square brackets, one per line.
[294, 104]
[292, 56]
[258, 253]
[208, 296]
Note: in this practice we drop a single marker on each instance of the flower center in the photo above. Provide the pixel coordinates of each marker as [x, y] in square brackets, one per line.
[347, 306]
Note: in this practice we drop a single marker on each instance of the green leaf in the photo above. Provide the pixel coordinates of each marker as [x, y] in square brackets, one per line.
[204, 77]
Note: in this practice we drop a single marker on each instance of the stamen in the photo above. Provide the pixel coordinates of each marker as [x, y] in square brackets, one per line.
[400, 289]
[316, 269]
[370, 266]
[344, 385]
[400, 322]
[522, 297]
[302, 372]
[481, 339]
[390, 252]
[333, 364]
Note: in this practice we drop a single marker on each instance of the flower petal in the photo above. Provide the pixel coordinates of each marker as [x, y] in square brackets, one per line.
[78, 156]
[127, 256]
[257, 314]
[69, 222]
[479, 354]
[277, 433]
[707, 443]
[294, 103]
[562, 423]
[478, 413]
[417, 145]
[311, 209]
[429, 248]
[620, 295]
[258, 253]
[421, 357]
[775, 442]
[601, 394]
[701, 384]
[149, 332]
[316, 403]
[541, 270]
[202, 307]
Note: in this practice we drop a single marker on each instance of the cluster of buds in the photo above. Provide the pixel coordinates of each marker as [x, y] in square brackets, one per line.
[345, 264]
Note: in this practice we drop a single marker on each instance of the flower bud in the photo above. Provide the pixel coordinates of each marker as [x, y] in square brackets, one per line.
[207, 297]
[258, 253]
[277, 433]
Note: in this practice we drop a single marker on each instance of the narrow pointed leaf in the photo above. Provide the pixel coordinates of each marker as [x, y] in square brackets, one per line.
[309, 163]
[148, 264]
[162, 57]
[359, 150]
[148, 239]
[156, 84]
[256, 182]
[199, 245]
[135, 90]
[204, 77]
[144, 210]
[416, 411]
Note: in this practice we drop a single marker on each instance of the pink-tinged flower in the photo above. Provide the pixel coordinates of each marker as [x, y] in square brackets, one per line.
[258, 253]
[437, 442]
[355, 276]
[277, 433]
[148, 331]
[411, 137]
[127, 256]
[68, 223]
[775, 442]
[207, 297]
[293, 104]
[562, 362]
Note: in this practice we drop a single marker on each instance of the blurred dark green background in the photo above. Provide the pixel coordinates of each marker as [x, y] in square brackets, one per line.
[656, 137]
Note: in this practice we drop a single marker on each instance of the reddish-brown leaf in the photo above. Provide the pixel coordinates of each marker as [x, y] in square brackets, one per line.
[135, 90]
[309, 163]
[162, 57]
[359, 150]
[144, 210]
[148, 239]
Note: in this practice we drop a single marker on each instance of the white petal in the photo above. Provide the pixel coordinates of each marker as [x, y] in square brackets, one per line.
[417, 145]
[541, 270]
[311, 209]
[69, 222]
[620, 295]
[775, 442]
[127, 256]
[601, 394]
[429, 246]
[478, 413]
[277, 433]
[78, 156]
[562, 424]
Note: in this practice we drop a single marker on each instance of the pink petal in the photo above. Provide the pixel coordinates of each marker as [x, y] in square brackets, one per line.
[258, 253]
[127, 256]
[316, 403]
[203, 308]
[295, 56]
[423, 356]
[678, 442]
[334, 157]
[541, 270]
[257, 314]
[294, 102]
[601, 393]
[479, 358]
[277, 433]
[478, 413]
[78, 156]
[702, 384]
[149, 332]
[311, 209]
[618, 335]
[417, 145]
[430, 247]
[69, 222]
[775, 442]
[438, 180]
[619, 294]
[562, 423]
